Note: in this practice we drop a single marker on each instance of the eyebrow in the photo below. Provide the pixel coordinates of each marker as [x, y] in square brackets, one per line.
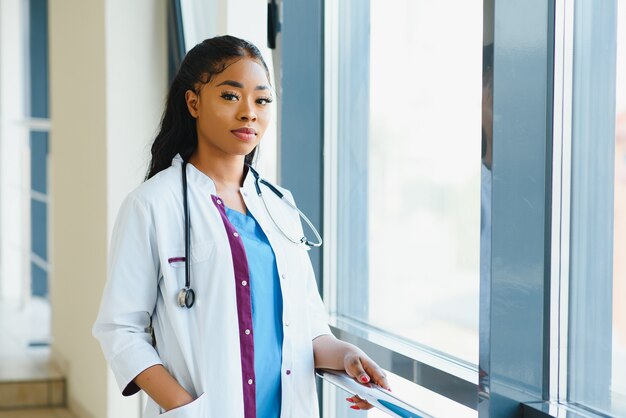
[238, 85]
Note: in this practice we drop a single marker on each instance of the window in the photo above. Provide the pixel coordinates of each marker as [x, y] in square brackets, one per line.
[549, 273]
[39, 126]
[403, 177]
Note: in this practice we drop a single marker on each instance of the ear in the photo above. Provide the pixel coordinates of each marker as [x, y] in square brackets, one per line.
[192, 99]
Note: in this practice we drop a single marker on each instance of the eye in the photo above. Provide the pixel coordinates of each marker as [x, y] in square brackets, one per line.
[264, 100]
[230, 96]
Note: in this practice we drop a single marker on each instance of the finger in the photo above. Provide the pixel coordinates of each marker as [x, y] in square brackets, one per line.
[362, 403]
[359, 403]
[377, 374]
[356, 370]
[365, 407]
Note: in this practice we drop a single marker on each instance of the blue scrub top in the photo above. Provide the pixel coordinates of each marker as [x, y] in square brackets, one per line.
[267, 312]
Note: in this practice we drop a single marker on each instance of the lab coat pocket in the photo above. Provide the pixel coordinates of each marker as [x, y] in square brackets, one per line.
[195, 409]
[173, 268]
[199, 252]
[176, 262]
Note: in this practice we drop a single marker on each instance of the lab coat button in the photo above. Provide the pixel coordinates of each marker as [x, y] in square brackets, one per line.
[249, 381]
[283, 276]
[288, 372]
[245, 193]
[243, 282]
[286, 323]
[235, 234]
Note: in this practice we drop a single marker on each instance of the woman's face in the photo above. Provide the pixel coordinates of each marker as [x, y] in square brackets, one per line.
[232, 111]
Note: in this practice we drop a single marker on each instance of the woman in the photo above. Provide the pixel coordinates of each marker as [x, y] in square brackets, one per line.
[249, 343]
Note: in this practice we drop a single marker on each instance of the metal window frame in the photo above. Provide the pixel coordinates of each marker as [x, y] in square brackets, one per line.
[175, 37]
[561, 197]
[301, 118]
[514, 359]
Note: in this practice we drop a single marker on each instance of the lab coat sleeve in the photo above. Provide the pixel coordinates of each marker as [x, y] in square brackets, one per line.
[129, 297]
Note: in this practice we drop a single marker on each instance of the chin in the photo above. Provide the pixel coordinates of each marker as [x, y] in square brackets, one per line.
[244, 150]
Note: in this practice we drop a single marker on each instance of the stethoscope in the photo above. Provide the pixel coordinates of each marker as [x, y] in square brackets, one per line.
[186, 296]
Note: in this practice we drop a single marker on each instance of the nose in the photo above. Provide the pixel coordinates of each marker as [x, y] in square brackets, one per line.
[246, 111]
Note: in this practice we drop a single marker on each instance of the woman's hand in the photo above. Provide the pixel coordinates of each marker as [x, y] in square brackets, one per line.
[161, 386]
[331, 353]
[364, 370]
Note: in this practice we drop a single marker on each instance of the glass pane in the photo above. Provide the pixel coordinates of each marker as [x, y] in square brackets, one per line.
[597, 334]
[39, 161]
[410, 193]
[38, 15]
[39, 229]
[39, 281]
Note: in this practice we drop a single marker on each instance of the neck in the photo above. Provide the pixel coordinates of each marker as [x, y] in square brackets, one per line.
[225, 171]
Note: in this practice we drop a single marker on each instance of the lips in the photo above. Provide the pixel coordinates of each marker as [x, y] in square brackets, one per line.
[244, 134]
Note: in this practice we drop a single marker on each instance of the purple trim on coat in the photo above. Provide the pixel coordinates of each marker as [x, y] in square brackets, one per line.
[244, 312]
[175, 259]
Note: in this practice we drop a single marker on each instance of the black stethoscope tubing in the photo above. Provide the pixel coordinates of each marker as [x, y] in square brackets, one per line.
[186, 297]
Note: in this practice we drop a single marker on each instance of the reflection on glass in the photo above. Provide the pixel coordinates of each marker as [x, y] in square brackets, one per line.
[424, 176]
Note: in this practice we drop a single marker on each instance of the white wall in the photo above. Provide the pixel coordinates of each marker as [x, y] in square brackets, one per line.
[14, 251]
[136, 77]
[107, 80]
[78, 212]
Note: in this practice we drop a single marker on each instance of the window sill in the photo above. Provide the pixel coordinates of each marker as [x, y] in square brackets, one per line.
[452, 379]
[556, 410]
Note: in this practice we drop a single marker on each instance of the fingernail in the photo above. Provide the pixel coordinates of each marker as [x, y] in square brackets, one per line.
[355, 407]
[365, 379]
[350, 400]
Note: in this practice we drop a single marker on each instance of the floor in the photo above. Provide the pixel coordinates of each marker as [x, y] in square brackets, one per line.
[26, 375]
[37, 413]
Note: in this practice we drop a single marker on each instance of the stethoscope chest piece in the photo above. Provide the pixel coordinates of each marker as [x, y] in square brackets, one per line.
[186, 297]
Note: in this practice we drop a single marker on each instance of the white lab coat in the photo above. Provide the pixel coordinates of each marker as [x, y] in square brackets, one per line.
[200, 346]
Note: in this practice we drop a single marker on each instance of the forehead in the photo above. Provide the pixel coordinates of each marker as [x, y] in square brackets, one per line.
[246, 71]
